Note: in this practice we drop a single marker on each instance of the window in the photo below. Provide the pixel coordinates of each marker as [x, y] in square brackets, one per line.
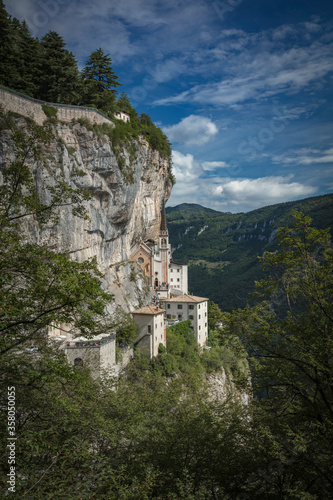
[168, 306]
[199, 329]
[205, 315]
[168, 316]
[140, 260]
[191, 316]
[199, 316]
[199, 306]
[172, 270]
[191, 306]
[78, 363]
[178, 279]
[149, 329]
[177, 270]
[171, 280]
[179, 306]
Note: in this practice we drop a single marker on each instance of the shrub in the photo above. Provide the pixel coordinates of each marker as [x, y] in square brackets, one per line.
[50, 112]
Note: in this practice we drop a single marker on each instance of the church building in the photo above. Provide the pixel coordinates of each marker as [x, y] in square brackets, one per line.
[168, 283]
[165, 277]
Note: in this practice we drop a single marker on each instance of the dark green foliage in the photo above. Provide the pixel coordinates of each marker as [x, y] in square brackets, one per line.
[292, 354]
[227, 250]
[50, 111]
[100, 81]
[124, 326]
[59, 81]
[19, 55]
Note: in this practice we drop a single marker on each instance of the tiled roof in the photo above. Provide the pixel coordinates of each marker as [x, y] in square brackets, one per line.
[149, 310]
[185, 298]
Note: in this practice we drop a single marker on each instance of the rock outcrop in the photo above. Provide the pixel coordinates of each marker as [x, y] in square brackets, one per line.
[121, 211]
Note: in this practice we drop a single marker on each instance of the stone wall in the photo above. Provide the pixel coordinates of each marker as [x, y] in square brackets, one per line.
[32, 108]
[127, 354]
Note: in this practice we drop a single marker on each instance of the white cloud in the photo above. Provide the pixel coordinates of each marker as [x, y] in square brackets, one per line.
[192, 130]
[259, 66]
[230, 194]
[213, 165]
[262, 191]
[305, 156]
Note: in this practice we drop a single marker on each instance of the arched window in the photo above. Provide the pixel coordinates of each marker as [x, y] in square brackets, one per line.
[78, 363]
[156, 282]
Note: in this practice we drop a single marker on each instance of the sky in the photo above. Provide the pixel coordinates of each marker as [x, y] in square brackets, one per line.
[242, 88]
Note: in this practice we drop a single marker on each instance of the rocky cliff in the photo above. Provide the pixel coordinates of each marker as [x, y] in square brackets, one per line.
[127, 186]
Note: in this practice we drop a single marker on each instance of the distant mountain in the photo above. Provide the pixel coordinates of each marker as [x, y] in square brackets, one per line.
[189, 211]
[222, 249]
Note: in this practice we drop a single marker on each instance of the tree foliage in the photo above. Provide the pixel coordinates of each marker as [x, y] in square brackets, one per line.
[290, 335]
[100, 81]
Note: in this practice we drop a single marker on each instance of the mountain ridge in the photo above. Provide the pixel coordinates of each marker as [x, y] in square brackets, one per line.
[222, 249]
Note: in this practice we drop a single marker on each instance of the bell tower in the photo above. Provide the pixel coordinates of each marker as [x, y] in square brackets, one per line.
[164, 247]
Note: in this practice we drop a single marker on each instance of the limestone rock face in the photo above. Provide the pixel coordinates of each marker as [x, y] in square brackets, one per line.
[120, 212]
[221, 387]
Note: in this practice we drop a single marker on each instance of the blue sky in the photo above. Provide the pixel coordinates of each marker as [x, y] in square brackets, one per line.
[242, 88]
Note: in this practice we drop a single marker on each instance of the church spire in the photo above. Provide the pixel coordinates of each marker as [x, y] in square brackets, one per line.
[164, 227]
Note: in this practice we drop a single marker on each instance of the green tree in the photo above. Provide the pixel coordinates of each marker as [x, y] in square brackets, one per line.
[124, 326]
[59, 81]
[8, 40]
[289, 333]
[100, 81]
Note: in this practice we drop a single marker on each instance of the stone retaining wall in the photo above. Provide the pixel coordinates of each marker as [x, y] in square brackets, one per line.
[11, 100]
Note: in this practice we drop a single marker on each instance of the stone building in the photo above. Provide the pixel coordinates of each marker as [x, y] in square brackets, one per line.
[97, 354]
[189, 307]
[152, 329]
[154, 257]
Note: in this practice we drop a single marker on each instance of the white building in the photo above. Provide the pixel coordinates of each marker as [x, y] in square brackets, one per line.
[123, 115]
[189, 307]
[152, 329]
[178, 278]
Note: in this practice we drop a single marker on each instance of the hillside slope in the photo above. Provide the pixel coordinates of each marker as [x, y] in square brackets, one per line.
[222, 249]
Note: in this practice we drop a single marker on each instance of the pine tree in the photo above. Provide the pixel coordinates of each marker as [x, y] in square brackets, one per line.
[100, 81]
[8, 64]
[60, 80]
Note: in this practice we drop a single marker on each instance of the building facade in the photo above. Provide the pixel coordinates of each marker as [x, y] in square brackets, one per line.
[189, 307]
[152, 329]
[154, 257]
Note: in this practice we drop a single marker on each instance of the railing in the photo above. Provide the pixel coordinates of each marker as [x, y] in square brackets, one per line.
[88, 343]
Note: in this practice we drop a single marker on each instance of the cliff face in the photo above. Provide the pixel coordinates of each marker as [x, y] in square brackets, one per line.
[120, 213]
